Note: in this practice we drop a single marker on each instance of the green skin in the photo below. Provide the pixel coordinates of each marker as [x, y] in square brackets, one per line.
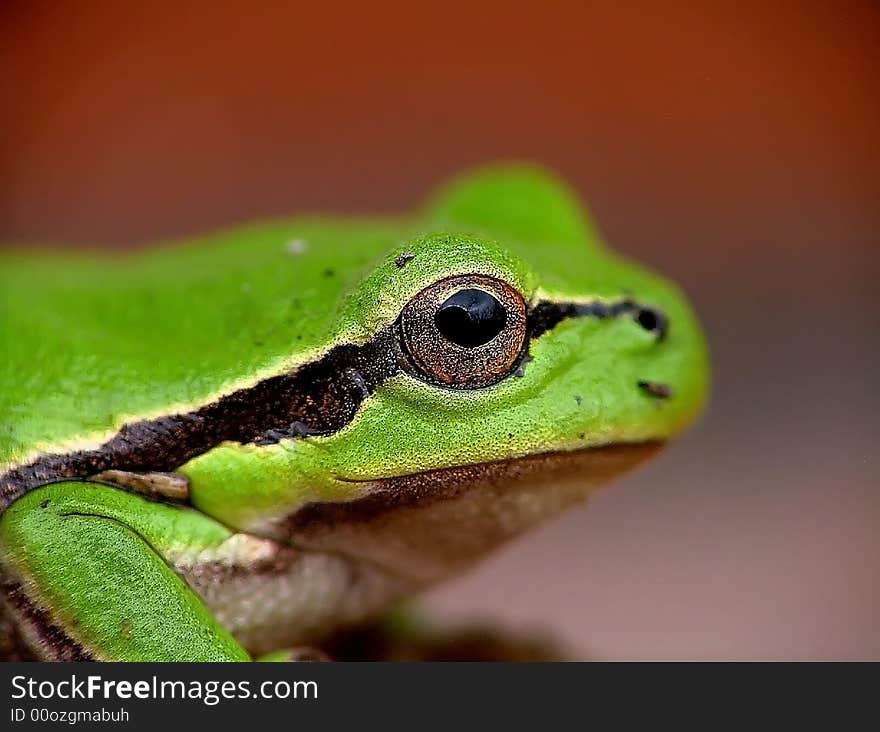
[93, 343]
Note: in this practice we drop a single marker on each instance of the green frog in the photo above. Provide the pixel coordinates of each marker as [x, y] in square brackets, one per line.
[231, 447]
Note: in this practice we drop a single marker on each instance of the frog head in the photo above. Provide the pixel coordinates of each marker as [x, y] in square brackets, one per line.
[497, 364]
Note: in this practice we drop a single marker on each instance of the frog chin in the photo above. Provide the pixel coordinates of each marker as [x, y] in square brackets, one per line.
[423, 527]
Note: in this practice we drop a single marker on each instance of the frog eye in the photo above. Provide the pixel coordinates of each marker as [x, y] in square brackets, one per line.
[464, 332]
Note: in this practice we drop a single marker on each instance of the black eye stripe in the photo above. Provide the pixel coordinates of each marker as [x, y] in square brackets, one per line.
[547, 315]
[319, 397]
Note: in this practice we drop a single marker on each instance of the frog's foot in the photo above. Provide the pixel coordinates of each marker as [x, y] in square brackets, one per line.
[393, 640]
[82, 581]
[170, 486]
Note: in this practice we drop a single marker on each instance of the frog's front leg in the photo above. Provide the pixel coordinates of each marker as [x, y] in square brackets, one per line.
[86, 577]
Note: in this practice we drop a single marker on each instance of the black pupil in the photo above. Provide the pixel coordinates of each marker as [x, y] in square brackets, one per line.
[470, 318]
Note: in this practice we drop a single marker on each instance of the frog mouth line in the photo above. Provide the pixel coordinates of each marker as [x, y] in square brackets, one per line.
[316, 399]
[420, 525]
[506, 465]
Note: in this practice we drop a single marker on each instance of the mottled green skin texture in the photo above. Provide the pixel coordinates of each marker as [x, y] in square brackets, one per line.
[92, 343]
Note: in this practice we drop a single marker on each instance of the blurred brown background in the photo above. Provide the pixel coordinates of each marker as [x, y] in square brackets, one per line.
[735, 148]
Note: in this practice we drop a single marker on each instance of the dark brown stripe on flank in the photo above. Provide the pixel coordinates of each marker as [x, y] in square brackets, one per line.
[54, 641]
[318, 398]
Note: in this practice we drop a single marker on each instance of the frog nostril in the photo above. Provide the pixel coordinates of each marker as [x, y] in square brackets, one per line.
[653, 321]
[655, 389]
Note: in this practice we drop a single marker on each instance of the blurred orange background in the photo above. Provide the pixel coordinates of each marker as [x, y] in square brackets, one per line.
[736, 148]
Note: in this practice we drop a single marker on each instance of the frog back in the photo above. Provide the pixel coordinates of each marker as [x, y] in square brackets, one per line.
[91, 342]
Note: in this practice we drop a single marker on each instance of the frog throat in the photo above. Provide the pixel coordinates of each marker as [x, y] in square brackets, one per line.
[317, 398]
